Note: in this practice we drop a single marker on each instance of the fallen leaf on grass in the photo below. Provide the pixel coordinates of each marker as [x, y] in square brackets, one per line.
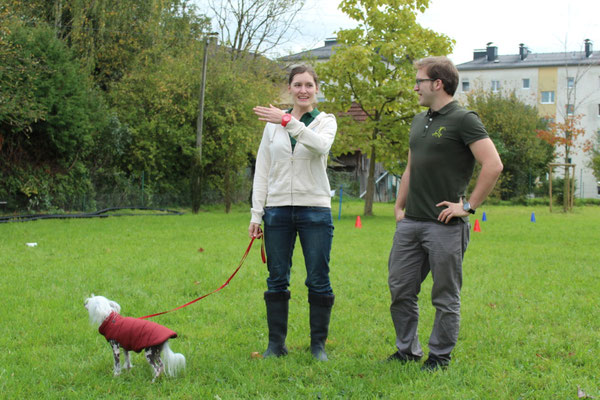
[582, 395]
[200, 250]
[492, 305]
[255, 354]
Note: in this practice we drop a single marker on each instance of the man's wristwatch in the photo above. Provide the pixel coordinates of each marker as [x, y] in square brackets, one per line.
[467, 207]
[285, 119]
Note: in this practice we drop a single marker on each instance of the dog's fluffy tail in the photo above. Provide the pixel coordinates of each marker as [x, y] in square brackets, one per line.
[174, 362]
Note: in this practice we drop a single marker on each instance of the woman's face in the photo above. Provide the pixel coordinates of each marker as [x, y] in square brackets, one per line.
[303, 89]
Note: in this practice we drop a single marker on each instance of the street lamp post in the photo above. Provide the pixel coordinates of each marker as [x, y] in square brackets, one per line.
[202, 88]
[197, 161]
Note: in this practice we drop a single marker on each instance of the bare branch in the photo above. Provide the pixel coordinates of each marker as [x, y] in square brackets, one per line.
[255, 26]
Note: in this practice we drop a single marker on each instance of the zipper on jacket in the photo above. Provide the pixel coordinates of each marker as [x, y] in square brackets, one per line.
[292, 180]
[292, 149]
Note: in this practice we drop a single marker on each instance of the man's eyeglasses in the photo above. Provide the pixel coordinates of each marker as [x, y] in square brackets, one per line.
[418, 81]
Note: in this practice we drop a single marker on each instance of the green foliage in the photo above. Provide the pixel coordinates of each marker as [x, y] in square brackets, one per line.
[158, 103]
[595, 157]
[43, 153]
[232, 132]
[512, 126]
[373, 67]
[99, 100]
[19, 72]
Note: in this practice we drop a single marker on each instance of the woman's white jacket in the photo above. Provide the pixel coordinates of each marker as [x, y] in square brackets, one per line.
[293, 178]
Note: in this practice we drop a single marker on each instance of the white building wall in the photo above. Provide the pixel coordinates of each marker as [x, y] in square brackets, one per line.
[510, 79]
[587, 102]
[585, 97]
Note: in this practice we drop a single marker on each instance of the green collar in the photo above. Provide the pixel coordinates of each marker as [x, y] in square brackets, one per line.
[308, 117]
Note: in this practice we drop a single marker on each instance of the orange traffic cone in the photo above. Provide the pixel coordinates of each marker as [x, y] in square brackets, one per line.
[476, 228]
[358, 224]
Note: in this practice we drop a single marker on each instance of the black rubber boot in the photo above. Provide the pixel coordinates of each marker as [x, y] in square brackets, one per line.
[277, 319]
[320, 314]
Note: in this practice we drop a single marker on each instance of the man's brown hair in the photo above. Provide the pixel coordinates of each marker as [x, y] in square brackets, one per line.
[440, 68]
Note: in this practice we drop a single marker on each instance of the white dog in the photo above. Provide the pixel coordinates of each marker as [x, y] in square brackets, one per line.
[134, 334]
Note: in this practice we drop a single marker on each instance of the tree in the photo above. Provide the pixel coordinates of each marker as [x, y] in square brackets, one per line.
[44, 148]
[19, 71]
[564, 130]
[108, 35]
[158, 99]
[254, 26]
[373, 66]
[232, 130]
[512, 126]
[566, 137]
[595, 159]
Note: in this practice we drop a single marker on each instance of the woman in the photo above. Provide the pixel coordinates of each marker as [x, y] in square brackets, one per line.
[291, 195]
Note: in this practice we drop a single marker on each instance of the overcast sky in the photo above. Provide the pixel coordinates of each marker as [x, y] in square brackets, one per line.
[543, 25]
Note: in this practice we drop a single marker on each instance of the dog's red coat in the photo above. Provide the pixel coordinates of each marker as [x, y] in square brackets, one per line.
[134, 334]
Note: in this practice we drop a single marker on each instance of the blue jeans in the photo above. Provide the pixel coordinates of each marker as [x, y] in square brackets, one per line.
[315, 228]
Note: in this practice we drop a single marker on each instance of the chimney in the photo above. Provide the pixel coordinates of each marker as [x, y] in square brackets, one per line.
[588, 48]
[523, 51]
[477, 54]
[330, 41]
[491, 52]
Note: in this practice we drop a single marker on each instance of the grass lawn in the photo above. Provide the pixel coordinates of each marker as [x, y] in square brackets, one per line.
[530, 324]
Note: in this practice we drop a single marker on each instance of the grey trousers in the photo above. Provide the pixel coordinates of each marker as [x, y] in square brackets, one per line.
[420, 247]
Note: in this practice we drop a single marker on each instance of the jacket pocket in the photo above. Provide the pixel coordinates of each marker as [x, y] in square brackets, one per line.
[310, 176]
[279, 177]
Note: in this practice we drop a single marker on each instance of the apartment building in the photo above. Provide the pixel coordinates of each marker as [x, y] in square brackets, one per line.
[558, 84]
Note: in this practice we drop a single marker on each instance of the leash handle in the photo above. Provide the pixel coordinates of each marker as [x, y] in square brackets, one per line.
[264, 260]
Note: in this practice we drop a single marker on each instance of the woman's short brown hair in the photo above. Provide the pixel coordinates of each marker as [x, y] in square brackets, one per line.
[440, 68]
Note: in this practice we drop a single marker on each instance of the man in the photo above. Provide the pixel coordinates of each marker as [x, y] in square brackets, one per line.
[432, 229]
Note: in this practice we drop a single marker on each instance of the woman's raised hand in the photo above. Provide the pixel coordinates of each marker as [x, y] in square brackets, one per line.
[269, 114]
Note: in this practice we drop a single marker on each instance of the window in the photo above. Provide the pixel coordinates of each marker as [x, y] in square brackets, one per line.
[570, 82]
[570, 109]
[526, 83]
[495, 86]
[548, 120]
[465, 86]
[547, 98]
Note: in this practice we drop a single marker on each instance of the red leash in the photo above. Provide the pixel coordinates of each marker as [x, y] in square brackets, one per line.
[264, 260]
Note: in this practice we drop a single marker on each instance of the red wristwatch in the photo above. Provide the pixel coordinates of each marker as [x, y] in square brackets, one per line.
[285, 119]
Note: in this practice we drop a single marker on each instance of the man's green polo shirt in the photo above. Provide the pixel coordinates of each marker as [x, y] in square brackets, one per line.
[441, 163]
[306, 119]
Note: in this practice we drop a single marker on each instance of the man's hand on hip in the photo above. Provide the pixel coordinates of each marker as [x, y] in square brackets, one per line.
[452, 210]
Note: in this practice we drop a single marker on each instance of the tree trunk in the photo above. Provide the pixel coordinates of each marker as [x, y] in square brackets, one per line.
[57, 18]
[566, 190]
[227, 191]
[197, 162]
[370, 185]
[196, 184]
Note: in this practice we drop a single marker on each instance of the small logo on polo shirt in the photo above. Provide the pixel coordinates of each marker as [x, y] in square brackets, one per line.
[438, 133]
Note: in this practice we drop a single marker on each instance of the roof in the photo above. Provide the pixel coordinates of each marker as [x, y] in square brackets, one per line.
[320, 53]
[356, 112]
[575, 58]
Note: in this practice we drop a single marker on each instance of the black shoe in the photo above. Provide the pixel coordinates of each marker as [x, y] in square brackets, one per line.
[434, 363]
[402, 357]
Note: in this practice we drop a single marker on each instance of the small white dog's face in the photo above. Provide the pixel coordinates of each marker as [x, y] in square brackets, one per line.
[99, 308]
